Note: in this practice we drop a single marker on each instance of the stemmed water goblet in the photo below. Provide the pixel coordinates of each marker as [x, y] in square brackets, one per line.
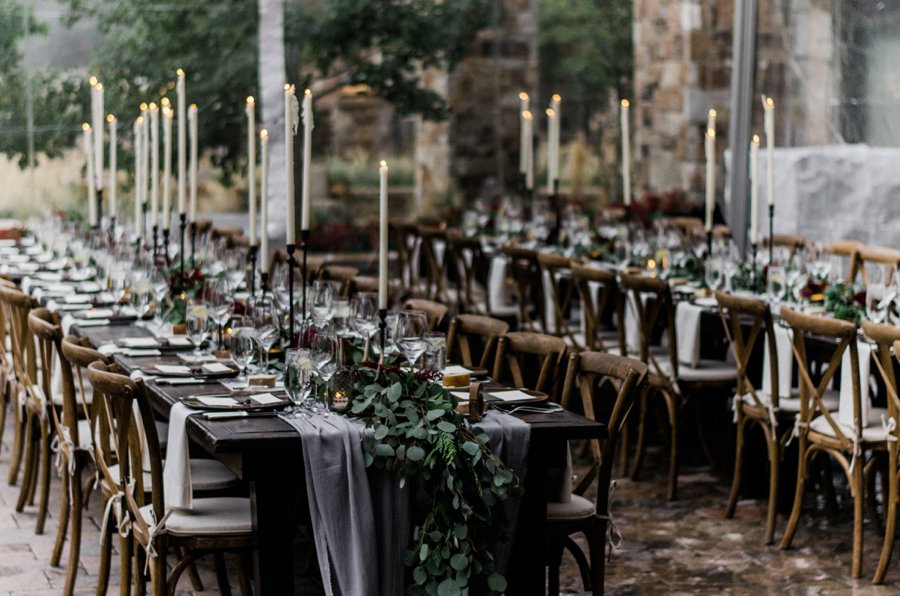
[409, 335]
[323, 353]
[364, 315]
[297, 372]
[265, 318]
[197, 322]
[220, 305]
[243, 343]
[320, 298]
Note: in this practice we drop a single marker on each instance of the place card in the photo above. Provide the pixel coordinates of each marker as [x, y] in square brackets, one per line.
[216, 402]
[97, 313]
[180, 341]
[265, 399]
[215, 367]
[76, 299]
[138, 342]
[456, 370]
[511, 395]
[173, 369]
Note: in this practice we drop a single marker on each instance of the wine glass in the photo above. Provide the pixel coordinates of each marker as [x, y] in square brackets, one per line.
[775, 283]
[320, 301]
[714, 273]
[160, 289]
[220, 305]
[197, 323]
[297, 371]
[323, 353]
[409, 335]
[243, 343]
[364, 316]
[140, 296]
[340, 311]
[265, 318]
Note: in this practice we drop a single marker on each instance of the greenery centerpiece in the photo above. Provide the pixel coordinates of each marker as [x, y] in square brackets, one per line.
[459, 484]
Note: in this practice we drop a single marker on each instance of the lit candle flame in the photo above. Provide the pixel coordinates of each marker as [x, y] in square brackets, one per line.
[307, 92]
[152, 107]
[711, 133]
[264, 135]
[110, 118]
[625, 103]
[92, 81]
[556, 97]
[85, 127]
[165, 102]
[712, 113]
[143, 106]
[527, 115]
[756, 139]
[250, 100]
[179, 73]
[550, 112]
[523, 96]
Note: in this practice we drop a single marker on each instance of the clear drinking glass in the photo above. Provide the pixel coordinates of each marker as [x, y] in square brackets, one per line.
[320, 298]
[436, 352]
[323, 353]
[265, 318]
[409, 335]
[243, 345]
[776, 283]
[221, 305]
[714, 273]
[297, 374]
[197, 323]
[340, 311]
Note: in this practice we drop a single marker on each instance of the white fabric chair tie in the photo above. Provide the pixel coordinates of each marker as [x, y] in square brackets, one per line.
[123, 520]
[153, 530]
[798, 424]
[857, 448]
[735, 404]
[63, 447]
[613, 535]
[889, 425]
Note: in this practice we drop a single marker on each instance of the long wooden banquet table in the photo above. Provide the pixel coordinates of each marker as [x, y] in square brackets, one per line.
[266, 452]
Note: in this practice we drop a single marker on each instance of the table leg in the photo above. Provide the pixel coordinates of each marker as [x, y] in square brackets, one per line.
[526, 572]
[274, 502]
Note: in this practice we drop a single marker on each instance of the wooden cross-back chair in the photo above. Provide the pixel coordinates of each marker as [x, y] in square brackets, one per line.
[846, 249]
[792, 242]
[433, 252]
[587, 373]
[525, 272]
[598, 289]
[435, 312]
[556, 273]
[212, 526]
[464, 330]
[515, 349]
[406, 241]
[819, 428]
[673, 381]
[31, 446]
[887, 341]
[888, 258]
[466, 256]
[72, 426]
[343, 274]
[7, 369]
[748, 321]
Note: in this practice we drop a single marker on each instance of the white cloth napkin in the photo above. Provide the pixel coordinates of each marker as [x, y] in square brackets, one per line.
[632, 326]
[687, 325]
[499, 291]
[845, 407]
[177, 469]
[783, 339]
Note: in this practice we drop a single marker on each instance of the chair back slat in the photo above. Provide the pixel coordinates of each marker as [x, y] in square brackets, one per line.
[435, 312]
[556, 271]
[525, 272]
[736, 312]
[594, 303]
[464, 329]
[661, 311]
[517, 347]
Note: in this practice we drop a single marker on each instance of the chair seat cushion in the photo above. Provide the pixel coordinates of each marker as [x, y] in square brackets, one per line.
[874, 432]
[792, 404]
[206, 475]
[577, 508]
[88, 396]
[220, 516]
[705, 371]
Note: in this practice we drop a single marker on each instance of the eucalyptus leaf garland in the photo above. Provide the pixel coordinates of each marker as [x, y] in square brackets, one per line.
[459, 484]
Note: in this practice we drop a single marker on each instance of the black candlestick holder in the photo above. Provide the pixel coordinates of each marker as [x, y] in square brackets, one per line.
[166, 245]
[264, 282]
[251, 254]
[709, 238]
[155, 242]
[304, 248]
[112, 230]
[193, 243]
[142, 231]
[556, 204]
[99, 195]
[290, 264]
[182, 218]
[771, 232]
[382, 326]
[753, 247]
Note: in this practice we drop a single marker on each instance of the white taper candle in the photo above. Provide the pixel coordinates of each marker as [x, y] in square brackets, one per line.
[113, 209]
[167, 166]
[291, 117]
[754, 190]
[154, 165]
[182, 142]
[264, 198]
[250, 110]
[625, 129]
[192, 118]
[308, 126]
[383, 236]
[89, 160]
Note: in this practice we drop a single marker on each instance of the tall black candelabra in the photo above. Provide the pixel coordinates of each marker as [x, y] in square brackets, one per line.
[166, 245]
[290, 264]
[193, 243]
[556, 204]
[382, 326]
[155, 241]
[709, 236]
[182, 218]
[304, 248]
[753, 262]
[251, 254]
[112, 230]
[142, 232]
[99, 195]
[264, 282]
[771, 231]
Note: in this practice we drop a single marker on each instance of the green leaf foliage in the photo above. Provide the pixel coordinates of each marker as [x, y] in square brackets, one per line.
[460, 485]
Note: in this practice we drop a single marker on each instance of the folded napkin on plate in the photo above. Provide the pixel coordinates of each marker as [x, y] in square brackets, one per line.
[845, 407]
[97, 313]
[215, 367]
[456, 370]
[68, 321]
[510, 395]
[173, 369]
[76, 299]
[138, 342]
[783, 339]
[179, 341]
[177, 468]
[687, 326]
[89, 287]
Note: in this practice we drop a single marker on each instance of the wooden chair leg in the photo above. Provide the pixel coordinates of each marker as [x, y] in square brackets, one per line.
[194, 576]
[738, 465]
[584, 567]
[859, 499]
[791, 527]
[46, 465]
[642, 429]
[28, 473]
[774, 449]
[140, 580]
[222, 573]
[105, 555]
[4, 407]
[597, 545]
[702, 436]
[624, 441]
[555, 560]
[831, 503]
[126, 556]
[159, 581]
[15, 458]
[62, 528]
[75, 534]
[672, 407]
[185, 562]
[890, 526]
[245, 569]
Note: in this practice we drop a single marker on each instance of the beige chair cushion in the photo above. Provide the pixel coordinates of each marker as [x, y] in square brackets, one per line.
[206, 475]
[577, 508]
[705, 371]
[873, 433]
[88, 395]
[221, 516]
[792, 404]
